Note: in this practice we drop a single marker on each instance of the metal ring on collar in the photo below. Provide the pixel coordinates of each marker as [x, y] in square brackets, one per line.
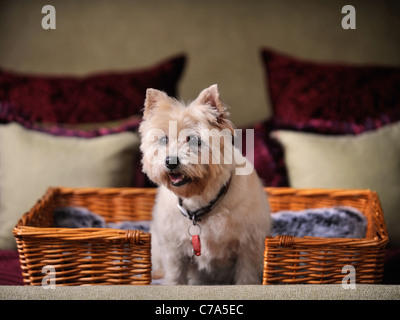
[191, 226]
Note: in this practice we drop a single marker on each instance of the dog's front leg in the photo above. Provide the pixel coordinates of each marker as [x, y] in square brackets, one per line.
[249, 266]
[176, 270]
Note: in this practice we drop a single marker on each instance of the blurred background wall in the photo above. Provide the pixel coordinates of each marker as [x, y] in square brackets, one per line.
[222, 39]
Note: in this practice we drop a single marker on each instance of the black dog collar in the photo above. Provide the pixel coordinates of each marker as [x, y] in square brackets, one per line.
[194, 215]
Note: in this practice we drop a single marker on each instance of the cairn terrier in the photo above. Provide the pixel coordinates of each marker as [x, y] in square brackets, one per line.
[211, 214]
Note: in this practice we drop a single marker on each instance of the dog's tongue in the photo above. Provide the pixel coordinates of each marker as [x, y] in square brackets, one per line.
[176, 178]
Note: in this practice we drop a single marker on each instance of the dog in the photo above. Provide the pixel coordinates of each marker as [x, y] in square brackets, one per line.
[211, 214]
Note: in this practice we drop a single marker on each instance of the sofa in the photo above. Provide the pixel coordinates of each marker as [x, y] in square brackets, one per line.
[322, 101]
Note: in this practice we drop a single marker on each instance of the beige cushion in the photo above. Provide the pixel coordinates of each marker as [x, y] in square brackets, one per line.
[32, 161]
[368, 161]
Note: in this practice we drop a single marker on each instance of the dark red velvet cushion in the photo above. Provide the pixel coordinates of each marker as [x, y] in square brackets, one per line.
[267, 155]
[95, 98]
[10, 268]
[331, 97]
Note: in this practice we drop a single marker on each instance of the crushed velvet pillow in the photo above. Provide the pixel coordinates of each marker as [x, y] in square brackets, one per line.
[10, 268]
[95, 98]
[330, 97]
[267, 155]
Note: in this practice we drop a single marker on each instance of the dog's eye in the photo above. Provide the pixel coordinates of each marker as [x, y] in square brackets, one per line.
[193, 141]
[163, 141]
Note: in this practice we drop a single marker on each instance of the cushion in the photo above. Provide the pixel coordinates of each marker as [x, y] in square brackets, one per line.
[10, 268]
[94, 98]
[391, 274]
[85, 130]
[370, 160]
[330, 97]
[266, 154]
[32, 161]
[328, 222]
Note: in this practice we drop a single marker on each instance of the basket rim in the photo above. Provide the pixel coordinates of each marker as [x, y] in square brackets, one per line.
[291, 241]
[336, 192]
[83, 234]
[101, 190]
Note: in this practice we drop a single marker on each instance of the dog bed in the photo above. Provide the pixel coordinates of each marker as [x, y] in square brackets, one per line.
[332, 222]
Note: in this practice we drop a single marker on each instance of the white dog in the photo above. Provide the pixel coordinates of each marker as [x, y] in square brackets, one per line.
[210, 219]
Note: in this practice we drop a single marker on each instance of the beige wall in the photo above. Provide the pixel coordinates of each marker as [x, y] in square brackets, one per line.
[222, 39]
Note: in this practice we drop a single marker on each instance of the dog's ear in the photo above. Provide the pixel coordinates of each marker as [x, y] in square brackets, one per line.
[210, 96]
[153, 97]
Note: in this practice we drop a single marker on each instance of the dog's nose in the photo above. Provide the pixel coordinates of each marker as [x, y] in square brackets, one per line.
[171, 162]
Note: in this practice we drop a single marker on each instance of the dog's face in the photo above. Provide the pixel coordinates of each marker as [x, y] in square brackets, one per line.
[186, 148]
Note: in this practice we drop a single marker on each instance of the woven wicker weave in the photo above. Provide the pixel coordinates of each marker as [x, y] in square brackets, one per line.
[112, 256]
[292, 260]
[87, 255]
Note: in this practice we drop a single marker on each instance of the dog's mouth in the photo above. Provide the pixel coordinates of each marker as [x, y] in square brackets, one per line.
[178, 179]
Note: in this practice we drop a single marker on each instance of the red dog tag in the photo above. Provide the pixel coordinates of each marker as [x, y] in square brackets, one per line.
[196, 245]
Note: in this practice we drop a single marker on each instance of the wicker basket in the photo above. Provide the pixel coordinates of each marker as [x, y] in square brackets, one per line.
[84, 256]
[112, 256]
[292, 260]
